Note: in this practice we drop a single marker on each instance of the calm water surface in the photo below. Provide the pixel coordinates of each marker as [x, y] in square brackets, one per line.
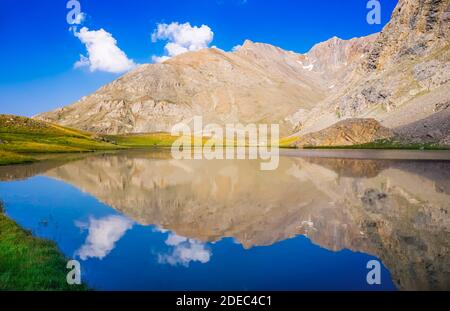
[143, 221]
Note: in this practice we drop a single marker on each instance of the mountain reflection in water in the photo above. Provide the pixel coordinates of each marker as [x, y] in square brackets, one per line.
[396, 210]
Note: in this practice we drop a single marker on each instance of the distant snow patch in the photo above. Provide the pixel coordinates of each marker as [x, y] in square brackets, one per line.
[309, 67]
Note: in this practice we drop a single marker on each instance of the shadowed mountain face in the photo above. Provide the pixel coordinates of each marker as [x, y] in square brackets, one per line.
[398, 212]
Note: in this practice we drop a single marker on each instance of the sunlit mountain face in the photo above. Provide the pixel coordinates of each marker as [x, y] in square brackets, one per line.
[160, 216]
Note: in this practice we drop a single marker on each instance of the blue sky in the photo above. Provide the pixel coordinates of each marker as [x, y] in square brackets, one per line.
[38, 52]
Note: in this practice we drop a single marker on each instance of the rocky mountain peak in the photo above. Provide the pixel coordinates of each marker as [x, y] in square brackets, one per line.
[259, 50]
[415, 28]
[335, 53]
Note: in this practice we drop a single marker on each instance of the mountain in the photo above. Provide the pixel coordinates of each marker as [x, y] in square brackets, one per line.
[399, 77]
[335, 59]
[258, 83]
[402, 81]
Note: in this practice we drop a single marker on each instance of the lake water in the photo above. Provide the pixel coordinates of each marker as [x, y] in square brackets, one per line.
[143, 221]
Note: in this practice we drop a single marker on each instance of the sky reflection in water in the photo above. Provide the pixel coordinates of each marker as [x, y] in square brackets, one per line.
[149, 242]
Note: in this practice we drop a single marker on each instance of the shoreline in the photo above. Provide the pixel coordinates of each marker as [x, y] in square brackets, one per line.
[24, 140]
[28, 263]
[371, 154]
[332, 152]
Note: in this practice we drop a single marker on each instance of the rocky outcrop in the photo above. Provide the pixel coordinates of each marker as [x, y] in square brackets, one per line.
[346, 133]
[416, 27]
[433, 129]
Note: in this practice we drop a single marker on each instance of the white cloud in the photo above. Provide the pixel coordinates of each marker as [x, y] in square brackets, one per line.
[184, 251]
[181, 38]
[83, 62]
[103, 52]
[103, 235]
[160, 59]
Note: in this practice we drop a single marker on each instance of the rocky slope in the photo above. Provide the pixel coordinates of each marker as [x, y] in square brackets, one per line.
[346, 133]
[402, 80]
[397, 77]
[335, 59]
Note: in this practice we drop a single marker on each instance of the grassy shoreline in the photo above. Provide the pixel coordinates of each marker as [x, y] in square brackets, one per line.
[22, 138]
[9, 158]
[385, 145]
[28, 263]
[28, 157]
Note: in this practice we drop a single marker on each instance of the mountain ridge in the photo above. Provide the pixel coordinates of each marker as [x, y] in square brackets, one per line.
[397, 77]
[249, 75]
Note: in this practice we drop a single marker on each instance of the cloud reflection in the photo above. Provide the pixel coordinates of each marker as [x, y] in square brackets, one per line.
[184, 251]
[103, 235]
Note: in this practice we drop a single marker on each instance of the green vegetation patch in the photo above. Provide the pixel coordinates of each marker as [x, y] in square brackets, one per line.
[9, 158]
[25, 135]
[28, 263]
[288, 142]
[143, 140]
[387, 145]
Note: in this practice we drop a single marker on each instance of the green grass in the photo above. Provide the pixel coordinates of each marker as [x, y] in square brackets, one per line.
[28, 263]
[20, 136]
[21, 139]
[386, 145]
[36, 143]
[143, 140]
[288, 142]
[9, 158]
[147, 140]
